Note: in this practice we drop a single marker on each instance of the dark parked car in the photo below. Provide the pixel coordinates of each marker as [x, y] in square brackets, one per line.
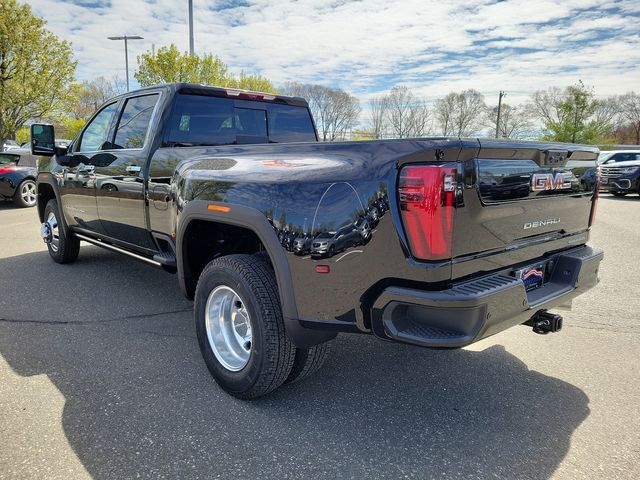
[328, 243]
[588, 178]
[620, 172]
[18, 171]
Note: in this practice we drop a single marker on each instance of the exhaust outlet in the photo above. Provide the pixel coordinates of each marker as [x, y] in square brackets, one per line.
[544, 322]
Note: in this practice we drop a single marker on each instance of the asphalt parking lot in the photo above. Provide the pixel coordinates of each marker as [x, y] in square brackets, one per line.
[100, 376]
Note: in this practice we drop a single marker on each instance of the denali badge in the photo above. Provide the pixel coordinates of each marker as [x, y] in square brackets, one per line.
[541, 223]
[549, 181]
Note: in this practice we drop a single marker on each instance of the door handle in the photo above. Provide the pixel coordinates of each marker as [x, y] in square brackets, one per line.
[133, 168]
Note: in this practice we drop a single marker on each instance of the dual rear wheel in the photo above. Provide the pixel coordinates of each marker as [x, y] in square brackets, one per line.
[241, 330]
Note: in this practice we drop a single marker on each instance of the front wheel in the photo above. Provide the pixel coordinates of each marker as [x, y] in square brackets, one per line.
[240, 327]
[63, 246]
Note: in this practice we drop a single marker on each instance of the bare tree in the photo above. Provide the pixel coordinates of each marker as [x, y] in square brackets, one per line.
[377, 116]
[84, 98]
[515, 121]
[335, 111]
[607, 115]
[407, 115]
[460, 114]
[547, 105]
[630, 113]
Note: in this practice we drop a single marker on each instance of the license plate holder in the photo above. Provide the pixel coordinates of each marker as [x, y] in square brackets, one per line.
[532, 276]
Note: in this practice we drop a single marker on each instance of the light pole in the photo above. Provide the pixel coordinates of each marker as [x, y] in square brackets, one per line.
[191, 27]
[126, 51]
[502, 94]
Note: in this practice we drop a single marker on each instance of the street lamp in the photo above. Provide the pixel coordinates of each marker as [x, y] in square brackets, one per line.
[191, 27]
[126, 51]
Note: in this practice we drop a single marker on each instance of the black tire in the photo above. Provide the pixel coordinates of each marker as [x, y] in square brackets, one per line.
[25, 195]
[308, 361]
[272, 352]
[68, 246]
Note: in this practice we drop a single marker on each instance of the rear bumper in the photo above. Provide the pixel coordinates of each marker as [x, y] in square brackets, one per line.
[479, 308]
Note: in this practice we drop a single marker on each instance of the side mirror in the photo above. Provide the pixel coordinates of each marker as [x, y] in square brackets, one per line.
[42, 140]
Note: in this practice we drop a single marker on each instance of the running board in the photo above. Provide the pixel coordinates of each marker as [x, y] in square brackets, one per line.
[108, 246]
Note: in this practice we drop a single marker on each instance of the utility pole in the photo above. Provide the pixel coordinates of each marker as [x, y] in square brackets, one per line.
[191, 27]
[126, 51]
[502, 94]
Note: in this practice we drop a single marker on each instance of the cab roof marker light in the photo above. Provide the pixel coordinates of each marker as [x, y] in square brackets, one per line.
[233, 92]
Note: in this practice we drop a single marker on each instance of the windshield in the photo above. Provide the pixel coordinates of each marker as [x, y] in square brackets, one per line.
[604, 156]
[205, 120]
[326, 235]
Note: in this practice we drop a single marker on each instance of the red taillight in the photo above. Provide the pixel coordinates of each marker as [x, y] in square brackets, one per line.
[596, 196]
[426, 195]
[7, 169]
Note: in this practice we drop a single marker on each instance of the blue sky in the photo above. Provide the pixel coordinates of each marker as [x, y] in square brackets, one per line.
[367, 46]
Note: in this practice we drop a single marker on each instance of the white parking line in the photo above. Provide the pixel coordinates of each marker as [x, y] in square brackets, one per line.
[348, 253]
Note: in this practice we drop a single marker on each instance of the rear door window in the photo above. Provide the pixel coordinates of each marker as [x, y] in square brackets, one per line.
[134, 122]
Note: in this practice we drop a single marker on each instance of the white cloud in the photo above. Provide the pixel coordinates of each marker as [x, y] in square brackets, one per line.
[368, 46]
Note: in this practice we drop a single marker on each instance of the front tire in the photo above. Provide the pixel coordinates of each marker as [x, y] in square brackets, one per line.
[240, 327]
[64, 246]
[26, 194]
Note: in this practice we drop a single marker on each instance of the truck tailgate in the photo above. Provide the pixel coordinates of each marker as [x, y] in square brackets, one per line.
[525, 200]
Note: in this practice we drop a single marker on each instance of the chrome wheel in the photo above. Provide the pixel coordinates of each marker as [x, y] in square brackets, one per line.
[52, 221]
[228, 328]
[28, 193]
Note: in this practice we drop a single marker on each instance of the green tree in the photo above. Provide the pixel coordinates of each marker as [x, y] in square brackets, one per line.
[35, 67]
[573, 115]
[254, 82]
[167, 65]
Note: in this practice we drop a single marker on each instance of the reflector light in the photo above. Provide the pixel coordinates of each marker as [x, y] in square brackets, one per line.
[7, 169]
[426, 194]
[322, 269]
[218, 208]
[596, 197]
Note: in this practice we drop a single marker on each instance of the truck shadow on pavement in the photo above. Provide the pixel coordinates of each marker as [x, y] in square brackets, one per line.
[117, 339]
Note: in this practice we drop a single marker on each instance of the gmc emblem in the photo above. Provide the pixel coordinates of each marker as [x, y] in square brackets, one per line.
[549, 181]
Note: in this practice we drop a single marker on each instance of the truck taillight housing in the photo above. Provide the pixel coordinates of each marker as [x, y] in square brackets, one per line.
[426, 197]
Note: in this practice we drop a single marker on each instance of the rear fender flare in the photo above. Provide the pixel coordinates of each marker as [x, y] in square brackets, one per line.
[254, 220]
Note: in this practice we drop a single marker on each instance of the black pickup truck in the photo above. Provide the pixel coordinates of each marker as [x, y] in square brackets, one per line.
[437, 242]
